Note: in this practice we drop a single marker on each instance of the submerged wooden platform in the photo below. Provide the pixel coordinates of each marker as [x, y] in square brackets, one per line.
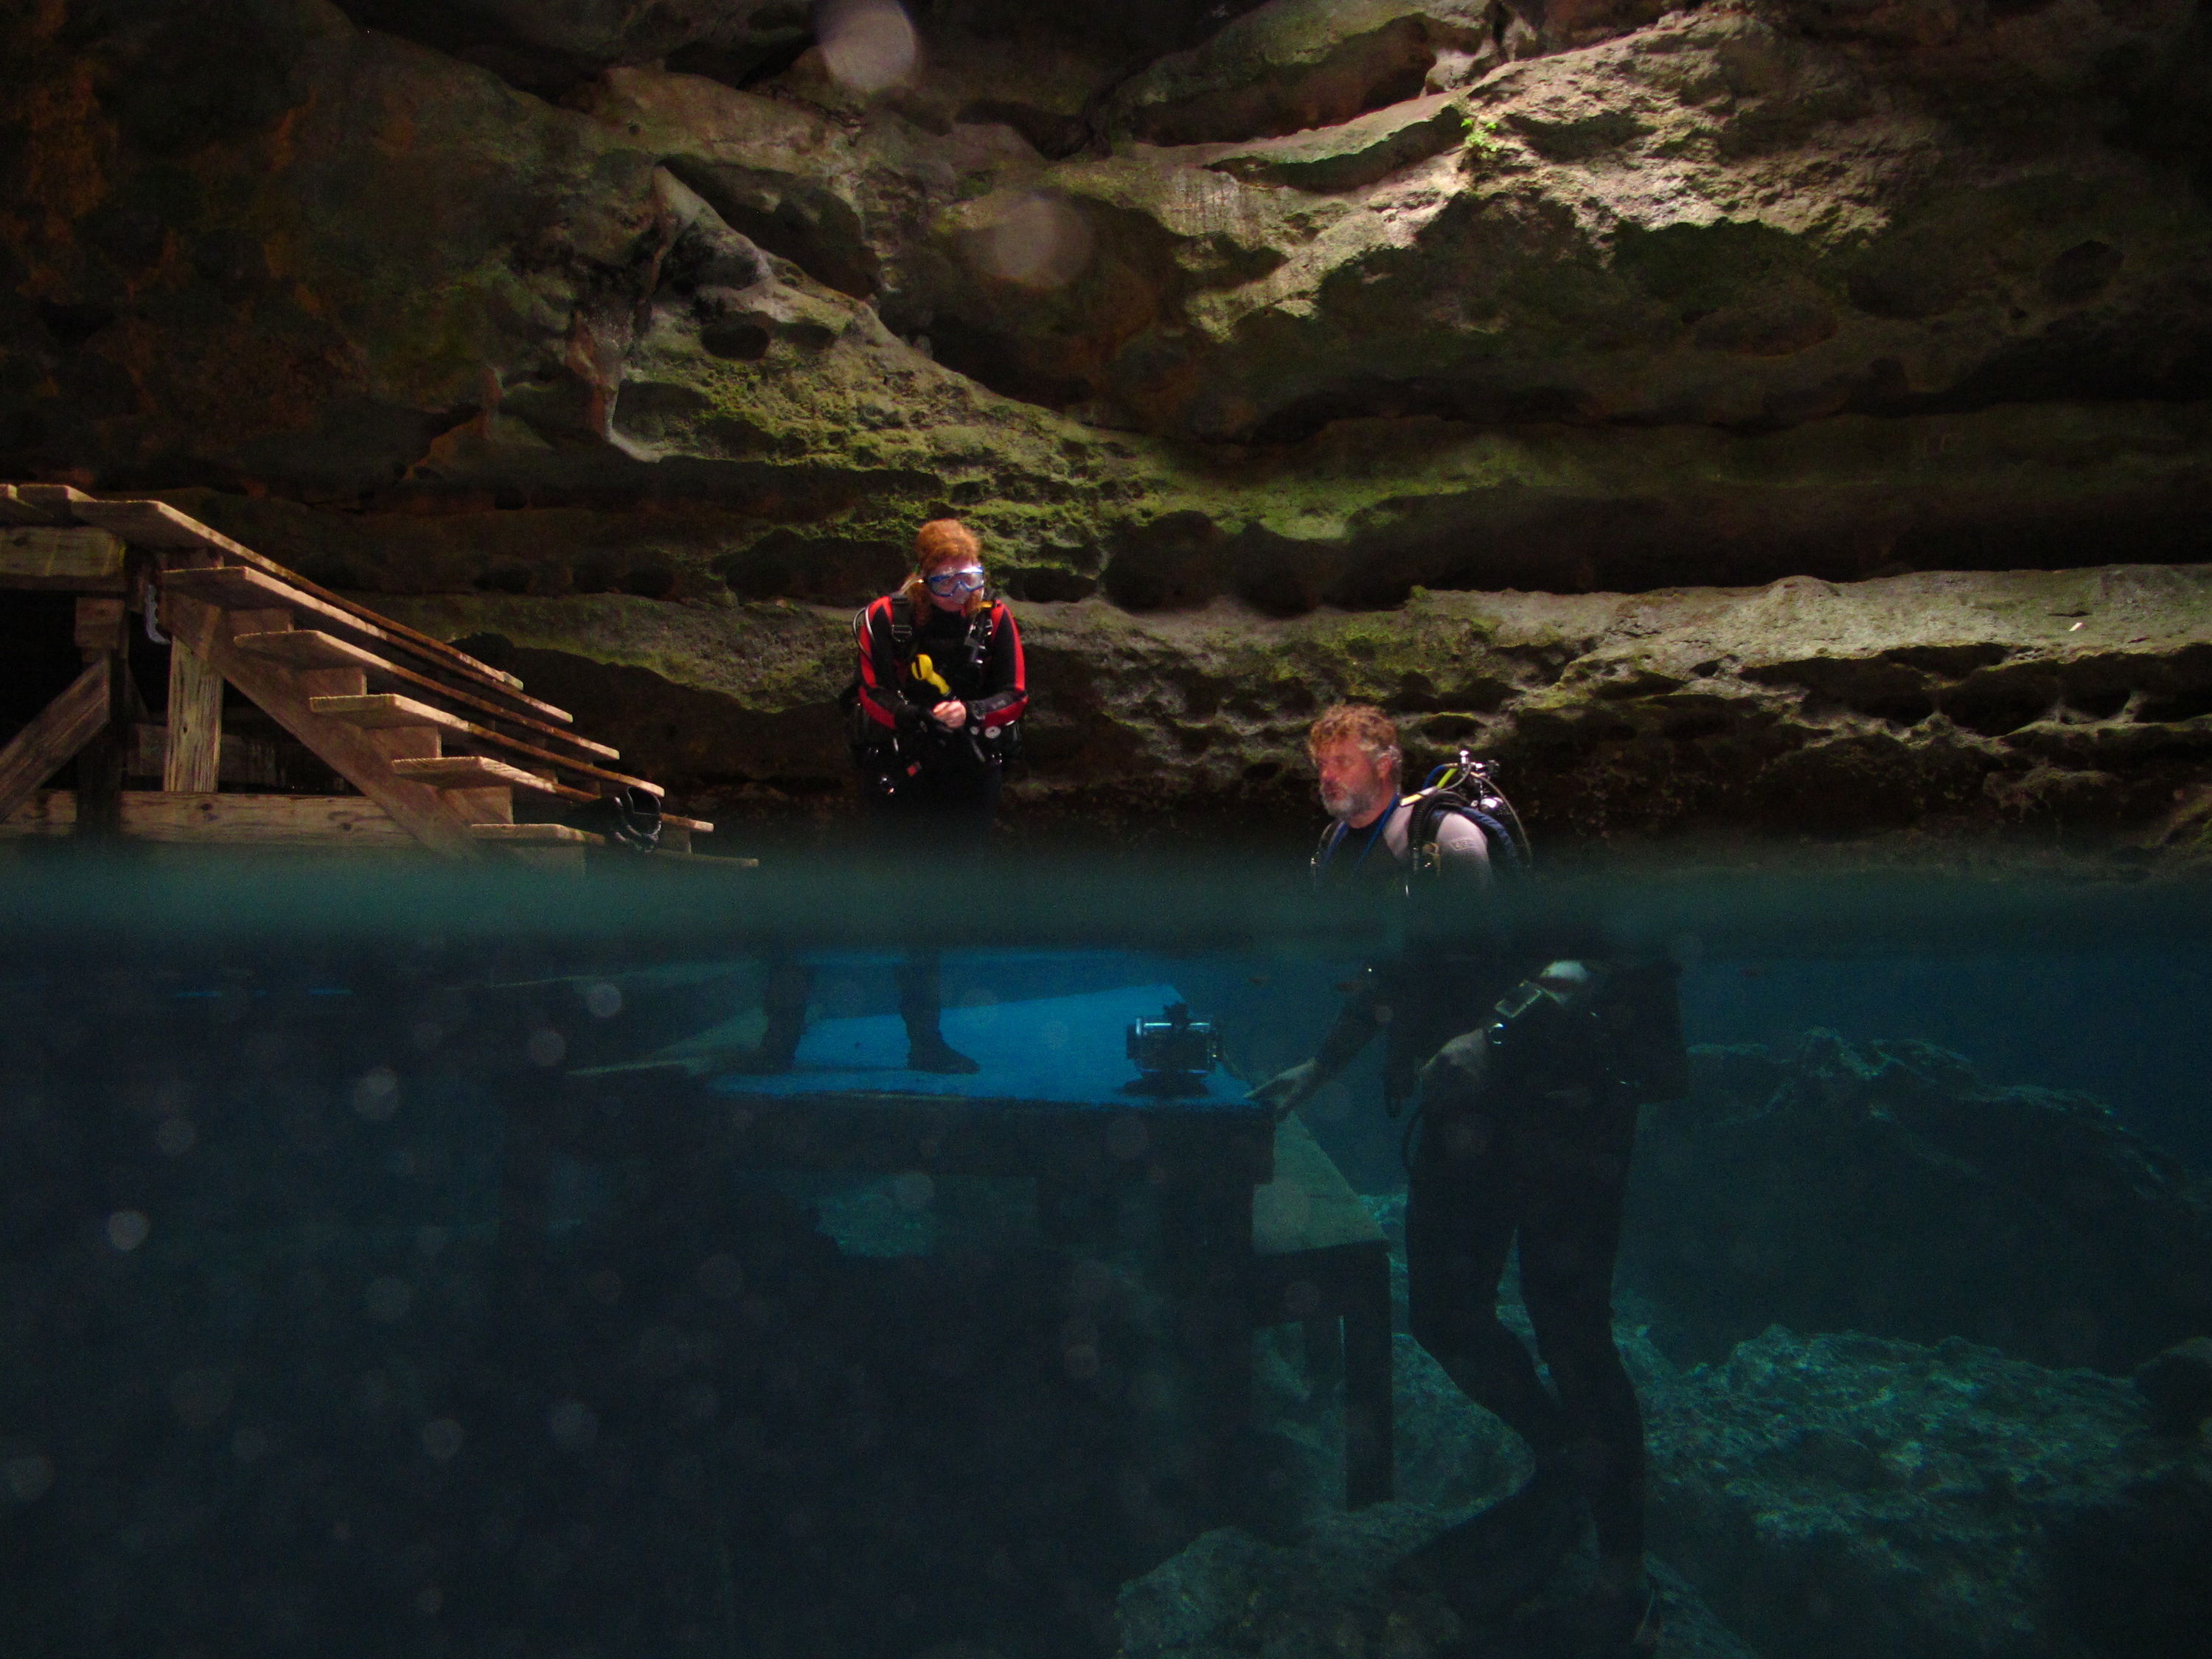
[447, 752]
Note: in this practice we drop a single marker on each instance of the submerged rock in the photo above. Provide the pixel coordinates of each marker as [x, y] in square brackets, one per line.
[2178, 1386]
[1322, 1592]
[1885, 1188]
[1844, 1495]
[1836, 1495]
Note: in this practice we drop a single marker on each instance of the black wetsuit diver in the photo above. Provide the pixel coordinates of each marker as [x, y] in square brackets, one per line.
[1525, 1127]
[929, 791]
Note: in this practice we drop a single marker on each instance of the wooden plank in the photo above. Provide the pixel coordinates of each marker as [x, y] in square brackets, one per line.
[239, 587]
[305, 648]
[260, 820]
[482, 772]
[43, 813]
[224, 819]
[54, 738]
[57, 501]
[100, 763]
[98, 624]
[386, 710]
[192, 761]
[689, 826]
[13, 510]
[537, 835]
[353, 754]
[153, 524]
[55, 558]
[157, 524]
[293, 821]
[244, 763]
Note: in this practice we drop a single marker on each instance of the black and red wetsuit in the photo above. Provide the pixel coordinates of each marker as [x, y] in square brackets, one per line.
[918, 765]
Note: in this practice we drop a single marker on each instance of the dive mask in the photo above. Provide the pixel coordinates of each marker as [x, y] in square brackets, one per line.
[945, 583]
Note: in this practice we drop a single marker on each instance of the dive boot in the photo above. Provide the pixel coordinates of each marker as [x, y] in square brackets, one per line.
[1626, 1626]
[784, 1000]
[927, 1050]
[931, 1052]
[1496, 1562]
[1623, 1623]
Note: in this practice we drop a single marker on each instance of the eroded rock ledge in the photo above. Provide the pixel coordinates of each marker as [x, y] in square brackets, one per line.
[1945, 700]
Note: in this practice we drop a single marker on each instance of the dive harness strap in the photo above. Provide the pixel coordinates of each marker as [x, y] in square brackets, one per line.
[1463, 788]
[888, 759]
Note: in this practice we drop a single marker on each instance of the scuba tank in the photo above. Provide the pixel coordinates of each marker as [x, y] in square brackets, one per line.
[1468, 787]
[1464, 787]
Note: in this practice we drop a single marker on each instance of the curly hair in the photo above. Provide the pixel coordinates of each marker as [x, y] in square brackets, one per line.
[1362, 723]
[939, 543]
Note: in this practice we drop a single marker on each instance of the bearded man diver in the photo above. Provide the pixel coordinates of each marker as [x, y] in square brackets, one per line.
[1530, 1047]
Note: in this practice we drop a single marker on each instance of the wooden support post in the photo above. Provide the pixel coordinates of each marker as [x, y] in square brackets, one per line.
[54, 738]
[193, 761]
[418, 807]
[100, 623]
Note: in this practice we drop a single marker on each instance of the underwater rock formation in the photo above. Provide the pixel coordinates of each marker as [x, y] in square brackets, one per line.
[1885, 1188]
[1836, 1495]
[1843, 1495]
[1299, 305]
[1315, 1583]
[2178, 1386]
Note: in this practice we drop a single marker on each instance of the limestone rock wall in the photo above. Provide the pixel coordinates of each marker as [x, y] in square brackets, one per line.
[642, 337]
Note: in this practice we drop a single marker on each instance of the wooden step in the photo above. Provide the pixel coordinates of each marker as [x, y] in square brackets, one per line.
[34, 504]
[241, 587]
[385, 711]
[153, 524]
[482, 772]
[305, 648]
[536, 835]
[15, 510]
[689, 826]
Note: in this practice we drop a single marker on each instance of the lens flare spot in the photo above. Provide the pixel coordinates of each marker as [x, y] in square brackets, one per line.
[1034, 239]
[868, 45]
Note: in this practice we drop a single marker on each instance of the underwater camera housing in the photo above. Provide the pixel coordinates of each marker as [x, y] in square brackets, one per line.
[1174, 1053]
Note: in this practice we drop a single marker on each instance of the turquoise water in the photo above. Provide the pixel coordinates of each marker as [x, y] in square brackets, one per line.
[362, 1297]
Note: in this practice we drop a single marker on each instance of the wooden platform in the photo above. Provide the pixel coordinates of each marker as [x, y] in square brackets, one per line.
[438, 745]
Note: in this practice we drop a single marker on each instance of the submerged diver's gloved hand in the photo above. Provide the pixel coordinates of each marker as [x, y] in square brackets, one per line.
[1287, 1091]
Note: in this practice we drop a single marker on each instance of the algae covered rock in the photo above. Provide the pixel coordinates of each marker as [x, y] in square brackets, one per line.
[1188, 307]
[1292, 64]
[1909, 702]
[1844, 1495]
[1715, 220]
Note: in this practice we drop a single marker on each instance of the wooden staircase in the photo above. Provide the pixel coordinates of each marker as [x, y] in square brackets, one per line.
[446, 746]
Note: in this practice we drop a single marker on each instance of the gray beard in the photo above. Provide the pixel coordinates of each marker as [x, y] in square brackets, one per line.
[1356, 806]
